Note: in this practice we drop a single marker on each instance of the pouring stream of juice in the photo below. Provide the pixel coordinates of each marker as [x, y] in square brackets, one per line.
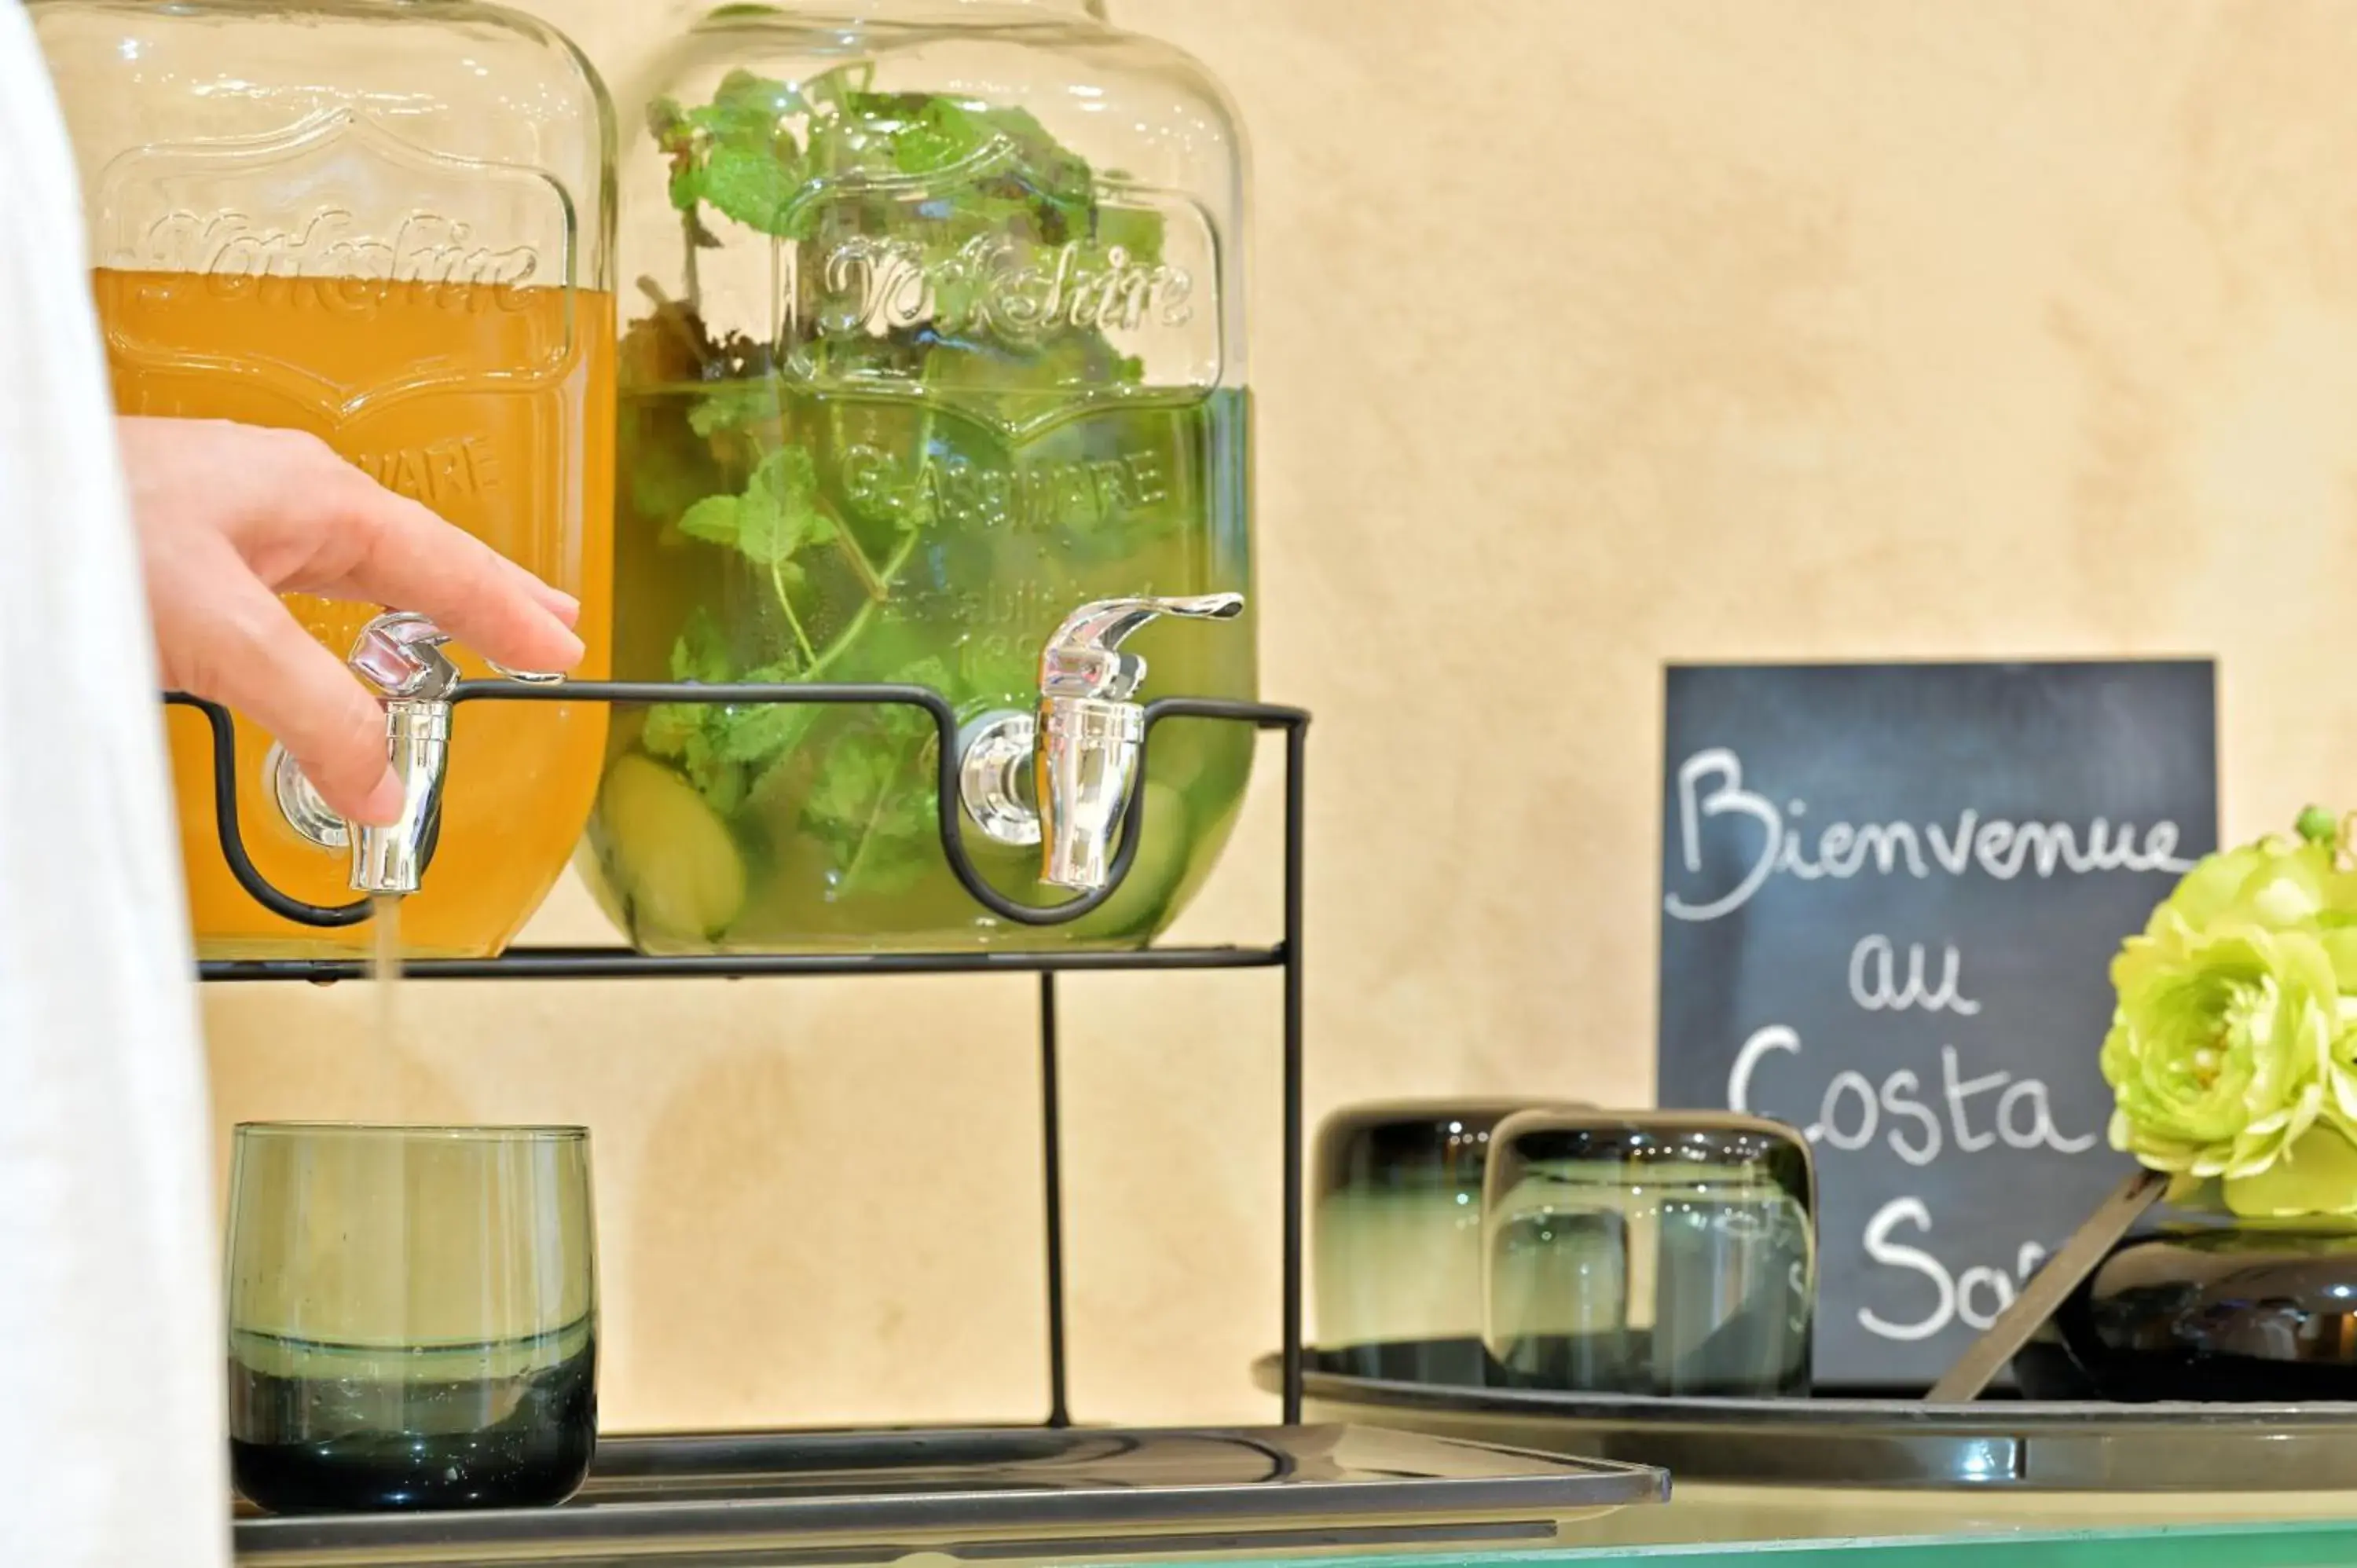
[384, 978]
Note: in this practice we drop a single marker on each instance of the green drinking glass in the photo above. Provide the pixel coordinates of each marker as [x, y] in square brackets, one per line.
[1657, 1252]
[412, 1316]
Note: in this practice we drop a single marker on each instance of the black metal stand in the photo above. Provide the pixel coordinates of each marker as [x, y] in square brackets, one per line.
[620, 962]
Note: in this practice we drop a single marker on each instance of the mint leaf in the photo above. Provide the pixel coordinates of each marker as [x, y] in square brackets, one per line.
[737, 154]
[1136, 229]
[765, 533]
[894, 855]
[944, 135]
[736, 404]
[760, 732]
[873, 803]
[709, 740]
[781, 513]
[1046, 165]
[662, 491]
[750, 108]
[714, 518]
[670, 728]
[870, 808]
[778, 514]
[834, 89]
[683, 732]
[755, 185]
[857, 777]
[763, 733]
[787, 479]
[719, 781]
[701, 652]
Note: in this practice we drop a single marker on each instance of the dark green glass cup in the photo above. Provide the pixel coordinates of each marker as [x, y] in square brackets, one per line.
[412, 1316]
[1657, 1252]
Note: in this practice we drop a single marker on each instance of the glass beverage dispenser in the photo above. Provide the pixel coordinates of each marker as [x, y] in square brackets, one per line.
[932, 374]
[388, 223]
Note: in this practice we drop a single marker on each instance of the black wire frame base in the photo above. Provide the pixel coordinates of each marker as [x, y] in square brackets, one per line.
[623, 963]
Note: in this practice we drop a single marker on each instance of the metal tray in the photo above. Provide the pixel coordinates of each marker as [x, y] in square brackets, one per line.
[1433, 1387]
[789, 1498]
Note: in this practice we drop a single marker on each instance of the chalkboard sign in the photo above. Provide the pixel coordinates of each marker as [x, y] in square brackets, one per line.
[1891, 895]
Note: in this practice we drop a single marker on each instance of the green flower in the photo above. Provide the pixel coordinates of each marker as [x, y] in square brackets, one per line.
[2232, 1054]
[2316, 1175]
[2276, 884]
[2221, 1053]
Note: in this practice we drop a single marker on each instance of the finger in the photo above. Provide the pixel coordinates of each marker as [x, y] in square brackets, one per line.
[402, 554]
[553, 599]
[556, 600]
[237, 644]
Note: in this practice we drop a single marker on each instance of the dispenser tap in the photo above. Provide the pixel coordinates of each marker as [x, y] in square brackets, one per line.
[1079, 752]
[400, 654]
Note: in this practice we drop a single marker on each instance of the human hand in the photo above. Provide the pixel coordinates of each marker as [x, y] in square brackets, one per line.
[229, 516]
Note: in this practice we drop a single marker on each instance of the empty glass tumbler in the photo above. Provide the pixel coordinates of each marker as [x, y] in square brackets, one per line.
[412, 1316]
[1649, 1253]
[1396, 1233]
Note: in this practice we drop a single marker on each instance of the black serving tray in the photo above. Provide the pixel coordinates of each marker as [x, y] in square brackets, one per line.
[775, 1499]
[1438, 1387]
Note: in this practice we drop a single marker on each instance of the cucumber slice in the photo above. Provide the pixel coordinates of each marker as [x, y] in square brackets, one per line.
[1153, 875]
[672, 856]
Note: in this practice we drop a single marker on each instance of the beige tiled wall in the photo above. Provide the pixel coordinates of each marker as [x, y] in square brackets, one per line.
[1588, 334]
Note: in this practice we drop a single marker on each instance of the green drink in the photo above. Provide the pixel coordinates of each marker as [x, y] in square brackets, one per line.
[938, 446]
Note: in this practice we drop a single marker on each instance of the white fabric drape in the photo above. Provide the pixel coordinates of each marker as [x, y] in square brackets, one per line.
[112, 1453]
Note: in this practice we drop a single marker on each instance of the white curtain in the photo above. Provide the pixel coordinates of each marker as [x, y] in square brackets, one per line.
[112, 1453]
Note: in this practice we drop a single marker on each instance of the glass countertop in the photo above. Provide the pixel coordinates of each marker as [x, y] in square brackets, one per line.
[2278, 1544]
[1701, 1514]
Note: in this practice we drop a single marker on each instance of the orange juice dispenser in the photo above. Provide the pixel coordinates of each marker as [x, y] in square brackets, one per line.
[386, 222]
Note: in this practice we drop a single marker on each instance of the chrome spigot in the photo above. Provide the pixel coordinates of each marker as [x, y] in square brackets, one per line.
[1079, 755]
[400, 655]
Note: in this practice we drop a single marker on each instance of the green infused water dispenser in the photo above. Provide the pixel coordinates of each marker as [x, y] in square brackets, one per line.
[932, 375]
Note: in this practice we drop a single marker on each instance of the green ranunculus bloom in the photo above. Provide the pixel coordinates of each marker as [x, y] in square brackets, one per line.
[2276, 884]
[2316, 1175]
[2233, 1054]
[2222, 1053]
